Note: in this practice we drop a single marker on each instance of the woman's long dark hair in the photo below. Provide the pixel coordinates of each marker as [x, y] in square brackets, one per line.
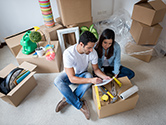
[106, 34]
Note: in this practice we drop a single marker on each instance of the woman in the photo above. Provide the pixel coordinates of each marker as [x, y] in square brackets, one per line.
[109, 54]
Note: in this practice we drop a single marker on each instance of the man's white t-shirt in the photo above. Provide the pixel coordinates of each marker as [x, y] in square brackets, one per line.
[72, 58]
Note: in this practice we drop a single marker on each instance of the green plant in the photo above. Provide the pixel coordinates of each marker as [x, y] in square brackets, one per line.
[90, 29]
[35, 37]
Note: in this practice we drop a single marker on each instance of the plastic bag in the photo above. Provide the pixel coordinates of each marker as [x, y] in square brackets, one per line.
[119, 22]
[160, 48]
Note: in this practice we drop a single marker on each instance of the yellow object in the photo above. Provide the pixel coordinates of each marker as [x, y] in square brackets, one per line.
[36, 28]
[104, 97]
[48, 53]
[110, 94]
[117, 81]
[97, 98]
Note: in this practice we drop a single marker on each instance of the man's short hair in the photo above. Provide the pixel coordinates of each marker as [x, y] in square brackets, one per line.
[87, 37]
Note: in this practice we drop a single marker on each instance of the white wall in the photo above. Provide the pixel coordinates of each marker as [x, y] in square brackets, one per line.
[18, 15]
[102, 9]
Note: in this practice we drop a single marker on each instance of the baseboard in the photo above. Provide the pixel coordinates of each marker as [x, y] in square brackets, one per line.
[3, 44]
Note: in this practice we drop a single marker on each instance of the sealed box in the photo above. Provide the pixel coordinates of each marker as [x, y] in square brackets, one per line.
[143, 53]
[74, 11]
[13, 41]
[59, 21]
[144, 34]
[20, 91]
[43, 65]
[108, 109]
[149, 13]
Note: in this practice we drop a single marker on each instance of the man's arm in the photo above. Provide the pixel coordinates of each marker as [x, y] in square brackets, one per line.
[98, 72]
[78, 80]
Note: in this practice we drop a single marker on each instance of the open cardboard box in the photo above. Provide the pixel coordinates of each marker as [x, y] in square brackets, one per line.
[19, 92]
[144, 34]
[74, 11]
[13, 41]
[143, 53]
[149, 13]
[120, 105]
[43, 65]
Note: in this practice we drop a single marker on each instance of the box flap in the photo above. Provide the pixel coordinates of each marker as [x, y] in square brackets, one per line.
[28, 66]
[157, 4]
[15, 39]
[126, 84]
[1, 95]
[132, 48]
[4, 72]
[142, 1]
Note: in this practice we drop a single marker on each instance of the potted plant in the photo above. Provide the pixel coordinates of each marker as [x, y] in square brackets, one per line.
[36, 37]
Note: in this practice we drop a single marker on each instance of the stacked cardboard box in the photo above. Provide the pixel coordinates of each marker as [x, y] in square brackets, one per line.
[145, 29]
[74, 13]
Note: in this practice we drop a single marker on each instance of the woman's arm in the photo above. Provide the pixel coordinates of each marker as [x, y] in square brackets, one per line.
[117, 60]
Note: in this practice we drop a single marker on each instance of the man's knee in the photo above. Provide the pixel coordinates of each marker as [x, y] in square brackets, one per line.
[132, 74]
[59, 78]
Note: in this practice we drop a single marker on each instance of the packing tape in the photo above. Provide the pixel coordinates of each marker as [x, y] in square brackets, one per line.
[128, 92]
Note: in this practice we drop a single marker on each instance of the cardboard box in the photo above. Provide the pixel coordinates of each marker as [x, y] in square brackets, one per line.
[143, 53]
[59, 20]
[149, 13]
[71, 36]
[51, 33]
[43, 65]
[19, 92]
[120, 105]
[74, 11]
[144, 34]
[13, 41]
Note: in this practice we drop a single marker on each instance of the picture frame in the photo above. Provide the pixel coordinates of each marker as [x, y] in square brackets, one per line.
[67, 31]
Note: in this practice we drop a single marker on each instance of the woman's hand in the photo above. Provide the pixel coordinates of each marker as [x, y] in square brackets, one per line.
[107, 78]
[116, 75]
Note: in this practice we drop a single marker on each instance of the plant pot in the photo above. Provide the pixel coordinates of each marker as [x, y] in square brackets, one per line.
[40, 51]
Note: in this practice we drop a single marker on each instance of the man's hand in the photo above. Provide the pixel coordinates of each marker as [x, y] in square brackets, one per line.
[96, 80]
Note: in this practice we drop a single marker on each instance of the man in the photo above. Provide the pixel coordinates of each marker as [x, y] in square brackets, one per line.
[76, 59]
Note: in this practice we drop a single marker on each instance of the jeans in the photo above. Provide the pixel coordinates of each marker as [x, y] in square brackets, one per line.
[62, 82]
[124, 71]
